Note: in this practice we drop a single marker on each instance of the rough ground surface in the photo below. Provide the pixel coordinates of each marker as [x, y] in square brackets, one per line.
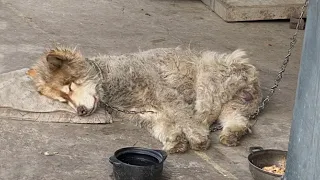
[116, 27]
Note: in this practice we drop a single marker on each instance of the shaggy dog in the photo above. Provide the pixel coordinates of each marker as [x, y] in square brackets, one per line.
[176, 94]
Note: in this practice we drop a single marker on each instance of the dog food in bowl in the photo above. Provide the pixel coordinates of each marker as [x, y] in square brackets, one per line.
[262, 161]
[279, 169]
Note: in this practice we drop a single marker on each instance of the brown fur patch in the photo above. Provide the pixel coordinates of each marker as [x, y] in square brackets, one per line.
[31, 73]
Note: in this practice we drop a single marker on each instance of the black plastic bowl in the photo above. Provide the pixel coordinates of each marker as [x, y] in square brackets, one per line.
[134, 163]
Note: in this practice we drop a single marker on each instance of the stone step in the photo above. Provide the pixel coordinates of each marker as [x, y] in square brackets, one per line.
[254, 10]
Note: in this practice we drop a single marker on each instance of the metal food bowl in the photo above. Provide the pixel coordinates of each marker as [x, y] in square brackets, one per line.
[259, 158]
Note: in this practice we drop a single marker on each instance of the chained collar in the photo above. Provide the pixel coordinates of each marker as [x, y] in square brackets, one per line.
[96, 67]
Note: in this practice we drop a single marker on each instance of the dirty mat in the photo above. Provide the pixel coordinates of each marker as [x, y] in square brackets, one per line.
[19, 100]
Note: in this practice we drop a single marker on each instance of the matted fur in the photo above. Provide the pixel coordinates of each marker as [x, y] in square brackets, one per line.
[186, 90]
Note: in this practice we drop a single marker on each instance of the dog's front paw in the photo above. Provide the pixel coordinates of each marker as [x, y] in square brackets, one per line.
[199, 142]
[178, 144]
[198, 136]
[180, 147]
[231, 138]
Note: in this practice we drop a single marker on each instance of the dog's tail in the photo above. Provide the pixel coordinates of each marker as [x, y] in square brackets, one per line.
[236, 57]
[233, 62]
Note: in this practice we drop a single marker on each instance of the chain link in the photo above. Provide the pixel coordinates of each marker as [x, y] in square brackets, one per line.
[283, 66]
[126, 111]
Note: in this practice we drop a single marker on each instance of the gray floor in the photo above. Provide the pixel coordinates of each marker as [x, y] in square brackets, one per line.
[116, 27]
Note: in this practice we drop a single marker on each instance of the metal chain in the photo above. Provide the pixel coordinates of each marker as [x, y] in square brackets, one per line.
[126, 111]
[283, 66]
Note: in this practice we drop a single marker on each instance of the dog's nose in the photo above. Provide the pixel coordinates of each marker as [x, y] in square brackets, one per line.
[82, 110]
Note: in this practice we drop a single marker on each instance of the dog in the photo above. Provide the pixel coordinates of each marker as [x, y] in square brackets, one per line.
[175, 93]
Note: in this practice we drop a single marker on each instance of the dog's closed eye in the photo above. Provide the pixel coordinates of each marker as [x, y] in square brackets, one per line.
[70, 87]
[73, 86]
[67, 89]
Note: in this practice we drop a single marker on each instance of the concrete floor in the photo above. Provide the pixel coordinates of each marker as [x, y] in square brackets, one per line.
[116, 27]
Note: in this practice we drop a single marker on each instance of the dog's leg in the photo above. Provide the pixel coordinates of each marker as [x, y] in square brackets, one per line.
[235, 113]
[53, 93]
[197, 135]
[235, 123]
[171, 136]
[207, 107]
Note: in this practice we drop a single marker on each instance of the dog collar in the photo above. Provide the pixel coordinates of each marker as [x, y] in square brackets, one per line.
[96, 68]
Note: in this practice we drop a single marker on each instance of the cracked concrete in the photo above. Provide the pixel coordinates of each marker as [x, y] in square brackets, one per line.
[116, 27]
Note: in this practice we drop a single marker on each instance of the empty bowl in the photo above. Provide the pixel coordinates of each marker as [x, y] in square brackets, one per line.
[135, 163]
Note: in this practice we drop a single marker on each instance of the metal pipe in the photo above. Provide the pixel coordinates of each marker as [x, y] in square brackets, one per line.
[303, 159]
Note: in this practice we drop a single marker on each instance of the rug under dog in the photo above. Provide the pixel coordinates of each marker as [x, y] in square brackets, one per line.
[19, 100]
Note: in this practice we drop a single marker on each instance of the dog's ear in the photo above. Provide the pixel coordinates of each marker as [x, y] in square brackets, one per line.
[59, 57]
[55, 61]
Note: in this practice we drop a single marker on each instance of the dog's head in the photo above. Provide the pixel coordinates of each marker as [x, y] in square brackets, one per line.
[63, 74]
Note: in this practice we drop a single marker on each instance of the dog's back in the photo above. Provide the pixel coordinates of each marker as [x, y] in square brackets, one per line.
[150, 72]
